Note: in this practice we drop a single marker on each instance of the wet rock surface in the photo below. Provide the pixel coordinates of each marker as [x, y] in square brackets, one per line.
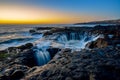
[100, 60]
[96, 64]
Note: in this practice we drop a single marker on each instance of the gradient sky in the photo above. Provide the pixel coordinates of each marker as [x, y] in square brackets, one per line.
[57, 11]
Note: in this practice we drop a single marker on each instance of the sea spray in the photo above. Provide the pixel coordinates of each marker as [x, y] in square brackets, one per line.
[73, 41]
[18, 40]
[41, 53]
[76, 41]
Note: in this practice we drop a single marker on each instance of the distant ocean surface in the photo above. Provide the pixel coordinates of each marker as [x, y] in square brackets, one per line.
[16, 35]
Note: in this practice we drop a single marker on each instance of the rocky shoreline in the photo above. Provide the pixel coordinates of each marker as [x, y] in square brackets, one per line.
[98, 61]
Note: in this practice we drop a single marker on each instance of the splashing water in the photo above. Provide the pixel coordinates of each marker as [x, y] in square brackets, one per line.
[42, 55]
[74, 41]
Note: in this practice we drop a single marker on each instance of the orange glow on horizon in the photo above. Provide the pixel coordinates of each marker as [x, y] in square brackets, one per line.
[17, 14]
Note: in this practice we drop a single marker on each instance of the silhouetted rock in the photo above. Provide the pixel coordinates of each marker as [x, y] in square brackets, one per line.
[26, 46]
[17, 75]
[13, 72]
[32, 31]
[26, 58]
[101, 22]
[53, 51]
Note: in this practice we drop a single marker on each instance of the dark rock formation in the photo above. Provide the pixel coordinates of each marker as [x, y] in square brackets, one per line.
[96, 64]
[53, 51]
[13, 72]
[101, 22]
[26, 58]
[12, 51]
[32, 31]
[111, 36]
[17, 75]
[26, 46]
[99, 43]
[100, 62]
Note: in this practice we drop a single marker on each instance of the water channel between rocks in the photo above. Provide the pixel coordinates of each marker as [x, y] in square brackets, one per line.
[72, 40]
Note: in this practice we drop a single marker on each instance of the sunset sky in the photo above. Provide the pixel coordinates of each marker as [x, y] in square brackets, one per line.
[57, 11]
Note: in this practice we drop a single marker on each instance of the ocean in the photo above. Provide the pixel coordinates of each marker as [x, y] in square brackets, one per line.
[15, 35]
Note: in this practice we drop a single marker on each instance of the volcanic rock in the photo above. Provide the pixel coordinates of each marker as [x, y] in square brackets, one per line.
[101, 62]
[83, 65]
[99, 43]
